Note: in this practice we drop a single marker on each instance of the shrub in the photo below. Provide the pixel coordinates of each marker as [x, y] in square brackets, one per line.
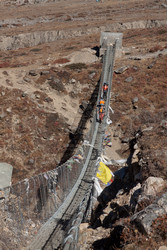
[155, 48]
[77, 66]
[62, 60]
[159, 227]
[35, 49]
[4, 64]
[163, 31]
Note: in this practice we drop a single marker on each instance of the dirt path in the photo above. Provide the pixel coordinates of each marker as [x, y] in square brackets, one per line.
[112, 152]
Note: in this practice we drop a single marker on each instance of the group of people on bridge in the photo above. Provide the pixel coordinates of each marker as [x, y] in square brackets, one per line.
[101, 105]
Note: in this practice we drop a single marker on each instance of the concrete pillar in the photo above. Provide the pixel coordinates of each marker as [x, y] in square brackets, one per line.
[107, 38]
[5, 175]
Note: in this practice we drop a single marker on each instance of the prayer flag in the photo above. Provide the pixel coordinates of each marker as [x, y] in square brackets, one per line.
[104, 173]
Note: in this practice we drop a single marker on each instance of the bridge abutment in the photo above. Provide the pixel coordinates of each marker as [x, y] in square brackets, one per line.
[108, 38]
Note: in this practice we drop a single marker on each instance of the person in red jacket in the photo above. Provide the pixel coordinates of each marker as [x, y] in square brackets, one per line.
[105, 89]
[101, 113]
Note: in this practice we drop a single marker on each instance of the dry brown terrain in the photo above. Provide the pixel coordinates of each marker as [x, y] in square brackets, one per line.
[43, 85]
[25, 131]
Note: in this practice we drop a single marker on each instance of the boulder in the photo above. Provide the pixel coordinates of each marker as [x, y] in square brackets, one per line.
[129, 79]
[153, 185]
[72, 81]
[164, 5]
[135, 100]
[143, 201]
[125, 140]
[150, 65]
[44, 72]
[33, 73]
[26, 79]
[57, 85]
[149, 190]
[83, 105]
[91, 76]
[144, 219]
[121, 70]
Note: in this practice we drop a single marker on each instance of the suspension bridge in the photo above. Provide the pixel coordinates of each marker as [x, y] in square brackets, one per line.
[45, 211]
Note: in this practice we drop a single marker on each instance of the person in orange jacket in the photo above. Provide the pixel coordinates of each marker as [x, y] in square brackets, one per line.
[102, 102]
[101, 109]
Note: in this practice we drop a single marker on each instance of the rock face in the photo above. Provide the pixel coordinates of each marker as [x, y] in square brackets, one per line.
[147, 193]
[144, 219]
[35, 38]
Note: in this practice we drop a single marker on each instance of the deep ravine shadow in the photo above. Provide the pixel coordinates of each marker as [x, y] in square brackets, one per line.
[111, 191]
[112, 242]
[77, 137]
[97, 49]
[116, 214]
[133, 166]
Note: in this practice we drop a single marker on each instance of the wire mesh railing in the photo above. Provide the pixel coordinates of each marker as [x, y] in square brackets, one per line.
[28, 204]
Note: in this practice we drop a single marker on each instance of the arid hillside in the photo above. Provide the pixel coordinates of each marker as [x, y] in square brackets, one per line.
[49, 69]
[40, 97]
